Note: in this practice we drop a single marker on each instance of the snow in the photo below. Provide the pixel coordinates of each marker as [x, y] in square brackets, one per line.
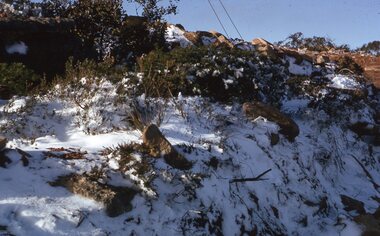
[19, 47]
[305, 68]
[295, 105]
[344, 82]
[176, 35]
[91, 116]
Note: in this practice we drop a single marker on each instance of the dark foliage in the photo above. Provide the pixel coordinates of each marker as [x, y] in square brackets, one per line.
[371, 48]
[297, 40]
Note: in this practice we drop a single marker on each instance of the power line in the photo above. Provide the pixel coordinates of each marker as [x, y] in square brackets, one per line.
[225, 9]
[220, 22]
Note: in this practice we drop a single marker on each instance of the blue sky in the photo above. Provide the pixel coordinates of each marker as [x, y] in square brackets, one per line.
[354, 22]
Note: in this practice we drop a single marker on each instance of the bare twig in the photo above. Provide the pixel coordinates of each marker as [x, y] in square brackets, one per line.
[78, 104]
[375, 185]
[258, 178]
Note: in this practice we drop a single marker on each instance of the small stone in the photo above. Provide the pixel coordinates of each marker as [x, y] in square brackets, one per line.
[155, 140]
[3, 142]
[274, 139]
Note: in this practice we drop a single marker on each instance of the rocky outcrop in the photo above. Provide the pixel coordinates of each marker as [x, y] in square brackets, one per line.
[371, 67]
[204, 38]
[288, 127]
[160, 146]
[370, 64]
[265, 48]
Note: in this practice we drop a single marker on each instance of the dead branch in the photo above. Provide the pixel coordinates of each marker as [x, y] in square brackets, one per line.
[375, 185]
[258, 178]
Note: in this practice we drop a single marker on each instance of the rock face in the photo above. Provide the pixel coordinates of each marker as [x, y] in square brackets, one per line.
[288, 127]
[160, 146]
[3, 142]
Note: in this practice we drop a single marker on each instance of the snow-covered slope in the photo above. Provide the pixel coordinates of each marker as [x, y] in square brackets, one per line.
[301, 194]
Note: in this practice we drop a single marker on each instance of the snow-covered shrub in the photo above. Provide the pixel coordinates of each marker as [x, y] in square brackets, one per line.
[222, 74]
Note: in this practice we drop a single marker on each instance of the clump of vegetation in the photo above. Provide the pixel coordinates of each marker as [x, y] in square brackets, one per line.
[203, 71]
[18, 78]
[372, 48]
[97, 24]
[92, 69]
[103, 25]
[299, 41]
[347, 65]
[134, 160]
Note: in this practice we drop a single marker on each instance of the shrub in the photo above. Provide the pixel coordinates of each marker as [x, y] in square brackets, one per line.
[18, 78]
[347, 64]
[91, 69]
[222, 74]
[154, 12]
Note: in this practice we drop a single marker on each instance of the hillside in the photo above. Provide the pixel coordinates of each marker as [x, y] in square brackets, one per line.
[253, 140]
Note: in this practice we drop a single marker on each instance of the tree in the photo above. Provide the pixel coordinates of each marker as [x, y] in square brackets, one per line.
[98, 23]
[154, 11]
[55, 8]
[371, 48]
[315, 43]
[19, 8]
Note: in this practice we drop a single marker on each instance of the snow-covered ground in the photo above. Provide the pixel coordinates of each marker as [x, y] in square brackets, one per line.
[299, 196]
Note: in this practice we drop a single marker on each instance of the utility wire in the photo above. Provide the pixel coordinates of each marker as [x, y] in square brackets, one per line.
[225, 9]
[220, 22]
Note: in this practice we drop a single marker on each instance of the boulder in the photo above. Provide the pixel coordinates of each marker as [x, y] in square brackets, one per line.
[160, 146]
[322, 60]
[265, 48]
[222, 41]
[299, 56]
[196, 37]
[371, 223]
[215, 33]
[3, 142]
[274, 139]
[288, 127]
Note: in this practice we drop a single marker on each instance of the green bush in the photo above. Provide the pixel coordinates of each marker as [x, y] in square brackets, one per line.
[18, 78]
[91, 69]
[221, 74]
